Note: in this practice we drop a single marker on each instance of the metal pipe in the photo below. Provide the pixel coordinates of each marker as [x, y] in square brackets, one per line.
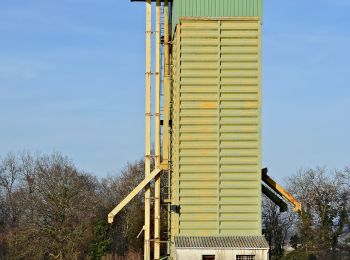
[157, 137]
[166, 85]
[147, 247]
[166, 106]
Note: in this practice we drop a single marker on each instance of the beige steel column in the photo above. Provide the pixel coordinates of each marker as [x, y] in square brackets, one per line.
[157, 137]
[166, 85]
[166, 106]
[147, 246]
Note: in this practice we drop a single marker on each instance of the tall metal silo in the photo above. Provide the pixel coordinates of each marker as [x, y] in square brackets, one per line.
[216, 128]
[208, 65]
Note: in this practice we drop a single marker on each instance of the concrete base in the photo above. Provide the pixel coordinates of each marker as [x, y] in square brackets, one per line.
[220, 254]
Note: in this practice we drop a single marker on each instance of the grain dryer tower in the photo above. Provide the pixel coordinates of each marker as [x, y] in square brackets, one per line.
[207, 131]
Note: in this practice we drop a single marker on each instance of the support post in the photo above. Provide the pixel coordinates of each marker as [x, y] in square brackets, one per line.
[147, 247]
[166, 105]
[157, 137]
[166, 109]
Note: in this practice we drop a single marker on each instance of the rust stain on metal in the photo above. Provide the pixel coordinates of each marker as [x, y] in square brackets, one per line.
[209, 105]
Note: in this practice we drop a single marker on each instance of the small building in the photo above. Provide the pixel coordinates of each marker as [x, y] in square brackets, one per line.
[222, 248]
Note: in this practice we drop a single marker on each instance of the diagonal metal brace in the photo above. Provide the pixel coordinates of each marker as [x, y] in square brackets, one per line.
[132, 194]
[280, 190]
[277, 200]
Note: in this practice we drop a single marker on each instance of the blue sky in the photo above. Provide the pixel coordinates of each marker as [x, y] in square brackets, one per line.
[72, 80]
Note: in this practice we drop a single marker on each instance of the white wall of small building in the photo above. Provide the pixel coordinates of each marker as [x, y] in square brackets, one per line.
[220, 254]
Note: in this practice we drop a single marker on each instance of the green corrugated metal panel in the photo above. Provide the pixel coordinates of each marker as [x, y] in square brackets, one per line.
[215, 8]
[216, 116]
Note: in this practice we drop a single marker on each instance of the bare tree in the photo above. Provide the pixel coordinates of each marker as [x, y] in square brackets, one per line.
[57, 205]
[277, 227]
[51, 210]
[129, 221]
[325, 203]
[9, 180]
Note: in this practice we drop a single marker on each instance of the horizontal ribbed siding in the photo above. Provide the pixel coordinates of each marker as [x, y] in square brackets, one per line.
[240, 122]
[198, 126]
[174, 143]
[216, 118]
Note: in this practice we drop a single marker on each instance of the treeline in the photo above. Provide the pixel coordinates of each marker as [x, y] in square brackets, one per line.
[322, 229]
[49, 209]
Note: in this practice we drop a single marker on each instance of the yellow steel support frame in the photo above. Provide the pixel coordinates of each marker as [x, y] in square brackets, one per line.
[166, 101]
[166, 104]
[281, 191]
[157, 137]
[132, 194]
[147, 247]
[159, 166]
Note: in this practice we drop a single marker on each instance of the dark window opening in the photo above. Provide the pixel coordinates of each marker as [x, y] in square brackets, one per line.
[208, 257]
[245, 257]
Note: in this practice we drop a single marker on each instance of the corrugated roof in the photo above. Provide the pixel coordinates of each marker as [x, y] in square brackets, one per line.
[246, 242]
